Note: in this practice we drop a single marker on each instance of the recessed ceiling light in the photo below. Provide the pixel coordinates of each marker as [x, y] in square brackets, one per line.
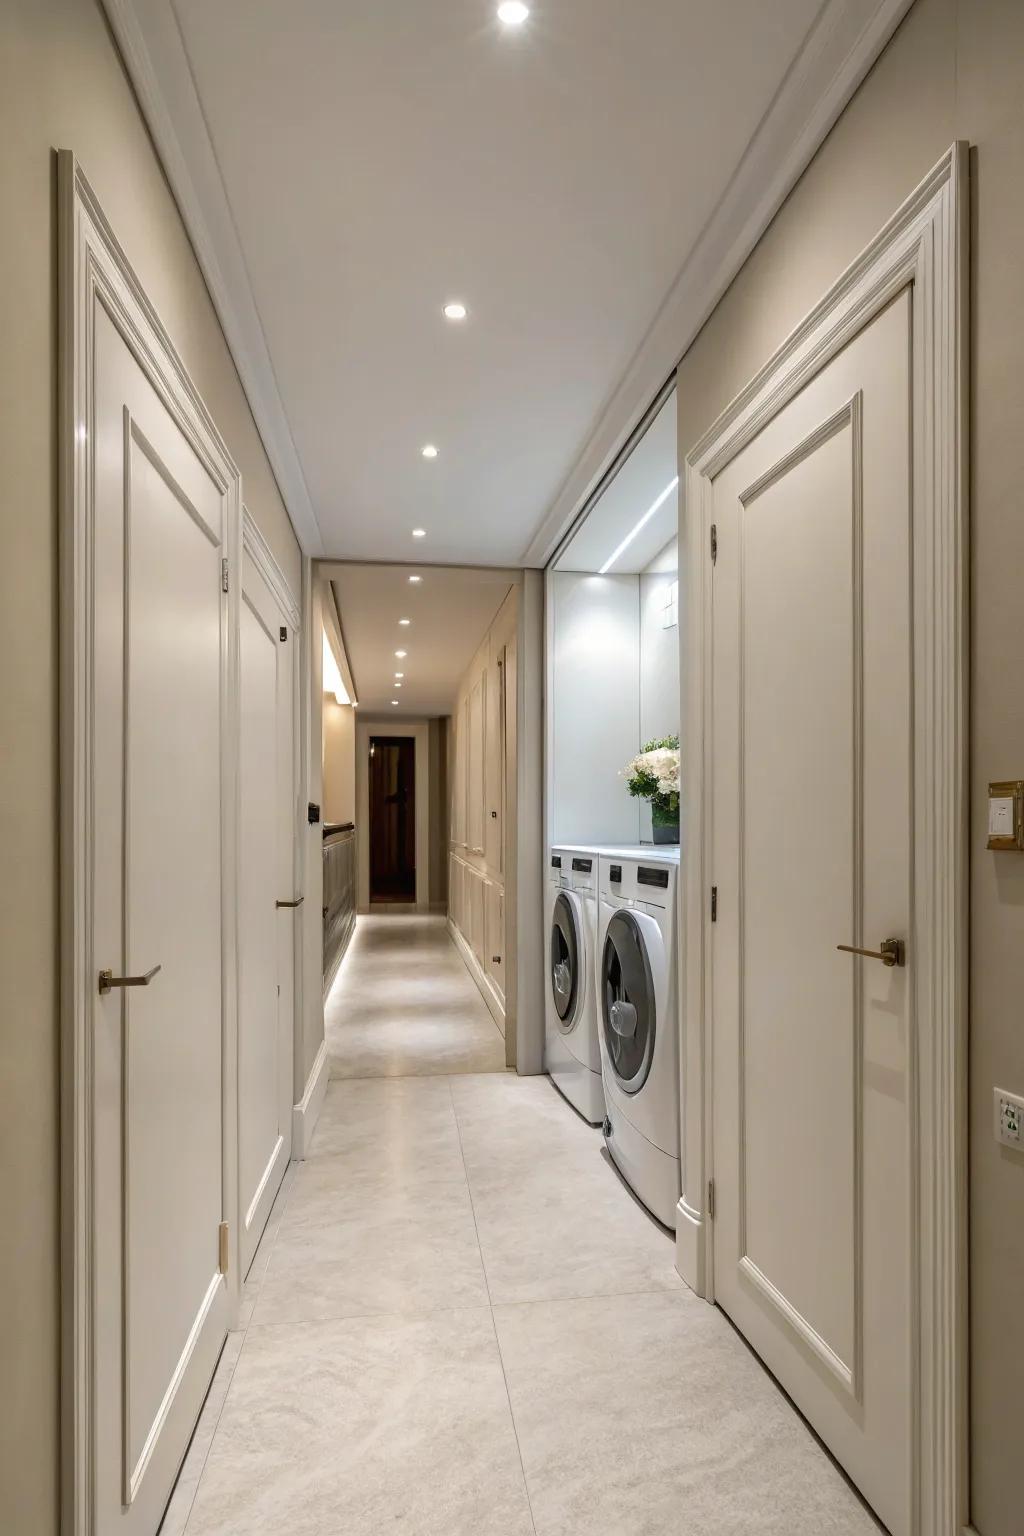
[398, 685]
[394, 703]
[455, 311]
[513, 12]
[419, 533]
[399, 675]
[429, 451]
[401, 655]
[415, 580]
[405, 623]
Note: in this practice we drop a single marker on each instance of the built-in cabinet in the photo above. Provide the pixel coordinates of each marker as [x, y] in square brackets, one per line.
[482, 749]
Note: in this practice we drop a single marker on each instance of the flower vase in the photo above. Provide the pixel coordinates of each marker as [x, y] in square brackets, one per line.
[664, 825]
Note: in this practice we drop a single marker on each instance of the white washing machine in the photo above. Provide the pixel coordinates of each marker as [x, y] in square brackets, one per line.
[639, 1023]
[572, 1053]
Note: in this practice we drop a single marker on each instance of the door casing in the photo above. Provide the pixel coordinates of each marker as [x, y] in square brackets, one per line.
[924, 246]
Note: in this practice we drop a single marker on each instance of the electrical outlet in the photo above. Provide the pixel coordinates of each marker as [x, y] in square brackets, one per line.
[1009, 1119]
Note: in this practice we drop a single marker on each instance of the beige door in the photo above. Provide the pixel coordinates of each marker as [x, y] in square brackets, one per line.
[811, 783]
[159, 745]
[266, 929]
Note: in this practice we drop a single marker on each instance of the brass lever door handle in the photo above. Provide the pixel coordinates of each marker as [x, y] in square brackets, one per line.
[108, 981]
[289, 904]
[892, 952]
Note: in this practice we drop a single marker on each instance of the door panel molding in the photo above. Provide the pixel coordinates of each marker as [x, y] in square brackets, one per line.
[849, 417]
[923, 247]
[94, 274]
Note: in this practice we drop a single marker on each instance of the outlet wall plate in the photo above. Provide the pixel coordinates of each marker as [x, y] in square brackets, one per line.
[1009, 1119]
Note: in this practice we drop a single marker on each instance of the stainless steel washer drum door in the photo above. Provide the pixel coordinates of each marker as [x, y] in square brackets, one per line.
[628, 1009]
[566, 959]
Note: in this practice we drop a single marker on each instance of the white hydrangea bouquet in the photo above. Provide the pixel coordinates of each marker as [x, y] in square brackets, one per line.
[654, 775]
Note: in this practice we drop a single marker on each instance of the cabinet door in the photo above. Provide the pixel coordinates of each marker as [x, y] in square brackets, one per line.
[495, 948]
[475, 764]
[494, 765]
[459, 776]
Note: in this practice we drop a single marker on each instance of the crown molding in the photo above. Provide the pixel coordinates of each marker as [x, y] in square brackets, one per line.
[154, 55]
[840, 48]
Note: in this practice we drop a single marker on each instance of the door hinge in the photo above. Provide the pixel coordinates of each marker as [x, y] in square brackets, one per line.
[714, 542]
[711, 1199]
[284, 633]
[224, 575]
[222, 1244]
[714, 903]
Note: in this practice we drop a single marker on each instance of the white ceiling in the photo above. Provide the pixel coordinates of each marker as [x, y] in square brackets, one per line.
[451, 611]
[637, 487]
[588, 185]
[346, 166]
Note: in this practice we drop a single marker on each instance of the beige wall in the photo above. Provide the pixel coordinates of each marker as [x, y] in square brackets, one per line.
[61, 85]
[954, 70]
[339, 761]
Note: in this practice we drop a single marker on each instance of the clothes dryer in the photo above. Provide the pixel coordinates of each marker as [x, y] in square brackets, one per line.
[638, 1019]
[572, 1053]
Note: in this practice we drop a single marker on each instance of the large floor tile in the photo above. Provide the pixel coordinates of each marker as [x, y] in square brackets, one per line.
[648, 1416]
[408, 1132]
[568, 1229]
[366, 1427]
[349, 1251]
[403, 1004]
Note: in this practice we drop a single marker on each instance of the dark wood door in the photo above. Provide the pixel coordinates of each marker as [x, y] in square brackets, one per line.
[392, 818]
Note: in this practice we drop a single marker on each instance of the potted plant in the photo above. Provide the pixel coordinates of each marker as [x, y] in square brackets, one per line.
[654, 775]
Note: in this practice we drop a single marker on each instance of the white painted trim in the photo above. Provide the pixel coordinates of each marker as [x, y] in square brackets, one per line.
[840, 48]
[92, 269]
[925, 244]
[494, 1005]
[306, 1112]
[160, 71]
[265, 561]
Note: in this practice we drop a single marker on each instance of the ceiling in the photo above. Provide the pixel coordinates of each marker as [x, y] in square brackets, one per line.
[636, 495]
[345, 167]
[451, 611]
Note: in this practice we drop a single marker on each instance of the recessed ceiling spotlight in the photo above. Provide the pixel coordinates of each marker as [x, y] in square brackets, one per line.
[429, 451]
[394, 703]
[405, 623]
[419, 533]
[415, 580]
[513, 12]
[455, 311]
[399, 676]
[398, 685]
[401, 655]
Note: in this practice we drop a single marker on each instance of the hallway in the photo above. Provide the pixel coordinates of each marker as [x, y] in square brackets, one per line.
[460, 1324]
[404, 1005]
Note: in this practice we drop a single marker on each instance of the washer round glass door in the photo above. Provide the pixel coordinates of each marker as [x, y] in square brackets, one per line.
[566, 957]
[627, 1002]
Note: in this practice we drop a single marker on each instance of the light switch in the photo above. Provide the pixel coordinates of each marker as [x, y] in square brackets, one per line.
[1006, 816]
[1000, 816]
[1009, 1119]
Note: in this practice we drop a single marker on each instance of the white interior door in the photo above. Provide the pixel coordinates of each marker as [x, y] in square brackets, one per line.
[811, 848]
[158, 874]
[267, 924]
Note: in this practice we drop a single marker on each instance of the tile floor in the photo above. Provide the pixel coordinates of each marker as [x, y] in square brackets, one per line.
[459, 1323]
[404, 1005]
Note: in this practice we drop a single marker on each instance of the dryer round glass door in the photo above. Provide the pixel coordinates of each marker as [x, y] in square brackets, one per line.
[627, 1002]
[566, 957]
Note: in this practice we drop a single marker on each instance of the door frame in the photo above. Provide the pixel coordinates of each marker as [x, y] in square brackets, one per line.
[925, 245]
[94, 270]
[290, 611]
[419, 730]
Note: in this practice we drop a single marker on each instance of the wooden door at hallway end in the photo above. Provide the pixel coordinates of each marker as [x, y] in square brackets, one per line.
[392, 800]
[812, 848]
[269, 903]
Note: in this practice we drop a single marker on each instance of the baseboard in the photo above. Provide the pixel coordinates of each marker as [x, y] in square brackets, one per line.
[691, 1256]
[495, 1007]
[306, 1112]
